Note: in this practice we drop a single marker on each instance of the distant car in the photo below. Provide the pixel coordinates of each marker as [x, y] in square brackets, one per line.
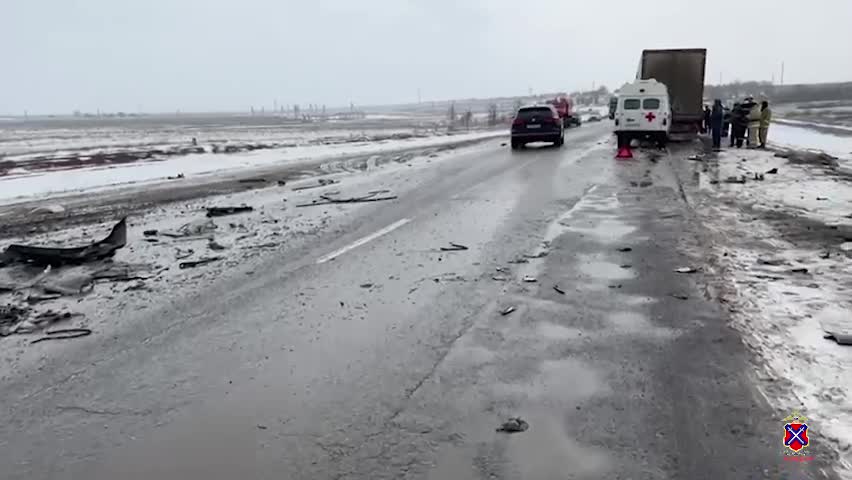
[537, 123]
[593, 118]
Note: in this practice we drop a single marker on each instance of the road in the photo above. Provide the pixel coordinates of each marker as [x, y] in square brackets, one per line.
[371, 353]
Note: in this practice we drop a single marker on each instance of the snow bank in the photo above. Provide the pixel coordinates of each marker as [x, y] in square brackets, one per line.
[809, 139]
[779, 245]
[13, 189]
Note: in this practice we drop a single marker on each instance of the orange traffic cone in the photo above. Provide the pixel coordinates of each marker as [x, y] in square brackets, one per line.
[624, 152]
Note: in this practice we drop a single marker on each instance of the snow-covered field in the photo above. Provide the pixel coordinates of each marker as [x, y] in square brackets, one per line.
[799, 136]
[783, 249]
[25, 185]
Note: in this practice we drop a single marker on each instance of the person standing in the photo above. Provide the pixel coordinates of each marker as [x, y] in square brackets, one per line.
[753, 124]
[707, 115]
[734, 127]
[765, 119]
[717, 119]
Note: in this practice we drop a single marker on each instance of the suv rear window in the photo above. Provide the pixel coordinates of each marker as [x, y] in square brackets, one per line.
[632, 104]
[540, 112]
[651, 104]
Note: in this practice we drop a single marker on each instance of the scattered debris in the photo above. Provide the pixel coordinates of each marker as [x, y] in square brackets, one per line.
[626, 266]
[686, 270]
[197, 228]
[772, 171]
[262, 427]
[821, 199]
[366, 285]
[799, 270]
[281, 183]
[150, 233]
[322, 182]
[514, 425]
[48, 209]
[176, 177]
[503, 144]
[680, 296]
[501, 269]
[74, 255]
[454, 247]
[139, 285]
[559, 290]
[758, 176]
[507, 310]
[519, 260]
[770, 261]
[615, 286]
[734, 179]
[825, 255]
[540, 254]
[216, 246]
[529, 279]
[840, 338]
[328, 199]
[180, 254]
[197, 263]
[252, 180]
[697, 158]
[63, 334]
[625, 249]
[499, 278]
[223, 211]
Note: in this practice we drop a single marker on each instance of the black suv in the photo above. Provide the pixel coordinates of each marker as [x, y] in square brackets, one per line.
[537, 123]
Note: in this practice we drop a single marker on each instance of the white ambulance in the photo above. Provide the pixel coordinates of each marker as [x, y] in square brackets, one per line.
[643, 112]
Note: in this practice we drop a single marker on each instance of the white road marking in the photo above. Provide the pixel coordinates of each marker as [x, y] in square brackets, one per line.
[361, 241]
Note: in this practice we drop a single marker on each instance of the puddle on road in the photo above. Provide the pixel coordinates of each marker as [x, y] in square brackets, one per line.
[606, 270]
[547, 450]
[566, 381]
[638, 324]
[553, 331]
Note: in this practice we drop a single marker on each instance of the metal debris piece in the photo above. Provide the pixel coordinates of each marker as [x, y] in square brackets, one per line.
[74, 255]
[799, 270]
[214, 245]
[176, 177]
[252, 180]
[320, 183]
[514, 425]
[63, 334]
[625, 249]
[770, 261]
[454, 247]
[196, 228]
[626, 266]
[821, 199]
[686, 270]
[223, 211]
[559, 290]
[540, 254]
[197, 263]
[697, 158]
[507, 310]
[825, 255]
[328, 199]
[734, 179]
[530, 279]
[772, 171]
[181, 254]
[680, 296]
[519, 260]
[150, 233]
[500, 269]
[615, 286]
[758, 176]
[499, 278]
[366, 285]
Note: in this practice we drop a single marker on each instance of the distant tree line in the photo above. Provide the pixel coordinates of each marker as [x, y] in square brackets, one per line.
[813, 92]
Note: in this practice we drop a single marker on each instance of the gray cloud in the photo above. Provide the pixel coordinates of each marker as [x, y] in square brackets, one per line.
[162, 55]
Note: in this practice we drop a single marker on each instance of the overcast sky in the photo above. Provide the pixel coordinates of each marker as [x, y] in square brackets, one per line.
[195, 55]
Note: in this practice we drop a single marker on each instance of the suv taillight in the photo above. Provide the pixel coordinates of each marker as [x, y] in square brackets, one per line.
[517, 121]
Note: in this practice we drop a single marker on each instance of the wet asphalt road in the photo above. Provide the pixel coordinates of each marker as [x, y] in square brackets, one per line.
[373, 354]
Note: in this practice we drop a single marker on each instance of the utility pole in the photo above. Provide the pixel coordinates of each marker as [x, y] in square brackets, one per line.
[782, 73]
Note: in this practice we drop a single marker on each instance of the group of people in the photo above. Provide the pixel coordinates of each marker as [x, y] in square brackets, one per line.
[749, 123]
